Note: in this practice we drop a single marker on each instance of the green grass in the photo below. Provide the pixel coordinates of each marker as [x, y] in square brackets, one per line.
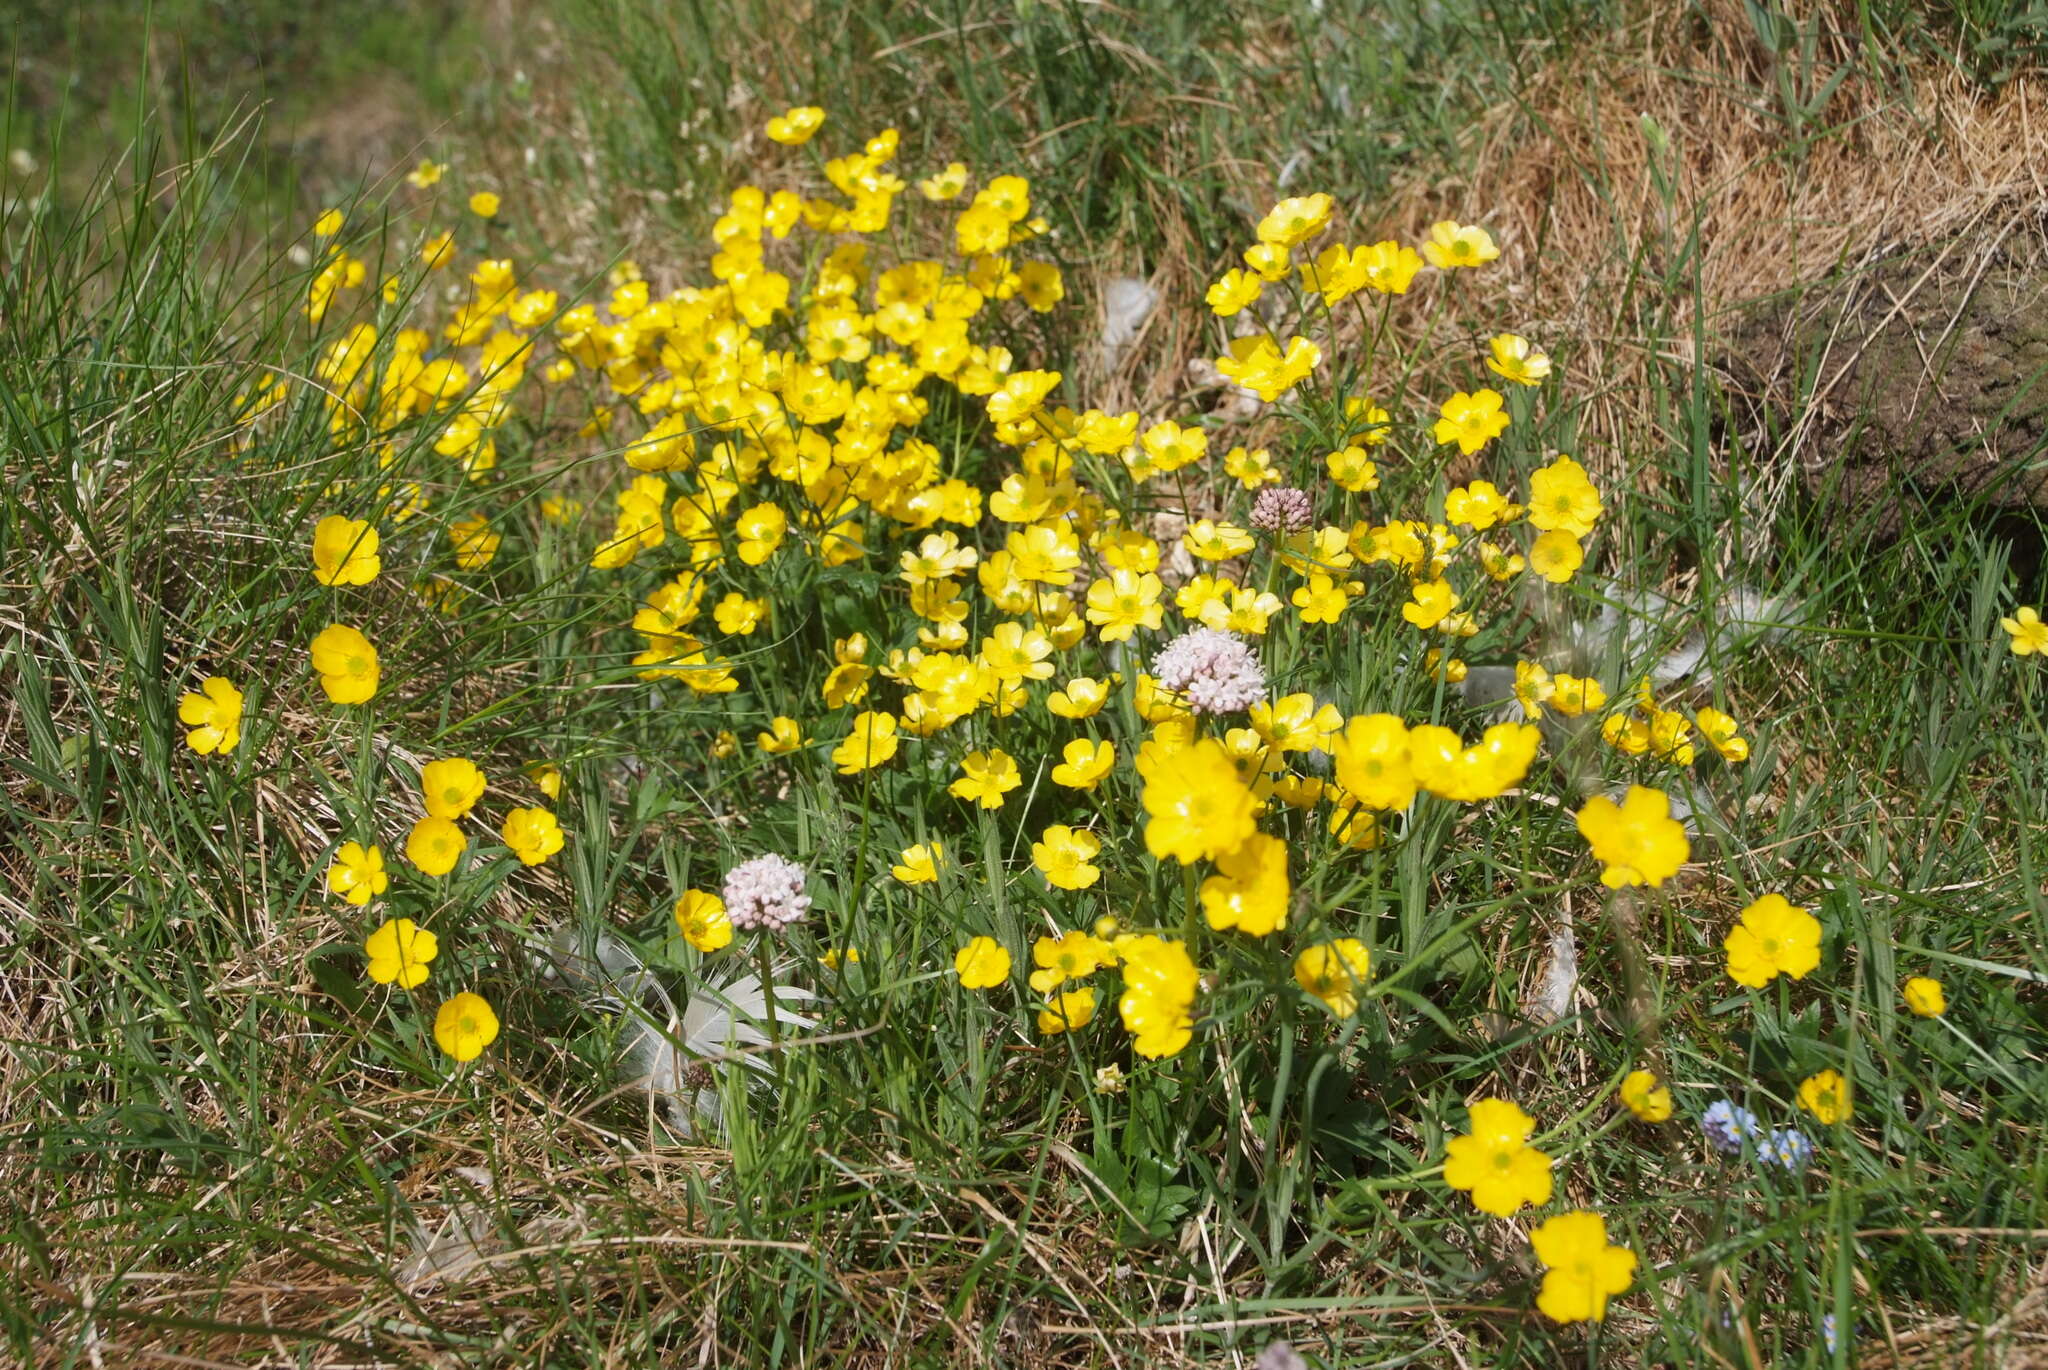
[220, 1136]
[1148, 129]
[307, 108]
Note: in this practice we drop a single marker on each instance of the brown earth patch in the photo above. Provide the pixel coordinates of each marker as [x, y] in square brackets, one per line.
[1908, 384]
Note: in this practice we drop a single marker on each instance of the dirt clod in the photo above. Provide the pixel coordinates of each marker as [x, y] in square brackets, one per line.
[1917, 381]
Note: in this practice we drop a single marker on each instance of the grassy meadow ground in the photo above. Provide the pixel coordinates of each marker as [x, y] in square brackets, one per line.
[223, 1143]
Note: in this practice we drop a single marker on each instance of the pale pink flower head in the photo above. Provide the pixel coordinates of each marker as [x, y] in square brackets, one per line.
[1216, 672]
[766, 893]
[1282, 509]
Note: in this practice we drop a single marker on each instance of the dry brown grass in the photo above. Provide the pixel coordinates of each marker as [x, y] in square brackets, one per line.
[1570, 186]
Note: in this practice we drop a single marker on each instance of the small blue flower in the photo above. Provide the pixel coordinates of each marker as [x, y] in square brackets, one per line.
[1827, 1327]
[1728, 1125]
[1786, 1148]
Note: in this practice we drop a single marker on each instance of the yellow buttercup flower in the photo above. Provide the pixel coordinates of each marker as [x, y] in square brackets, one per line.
[982, 964]
[357, 873]
[985, 778]
[783, 736]
[2027, 633]
[1452, 245]
[1335, 972]
[465, 1025]
[1773, 938]
[1294, 221]
[1124, 601]
[214, 715]
[1233, 291]
[1017, 653]
[1063, 855]
[1250, 890]
[1429, 603]
[1198, 807]
[701, 918]
[451, 787]
[1533, 688]
[797, 125]
[1478, 506]
[1069, 956]
[1084, 763]
[1352, 469]
[1644, 1096]
[399, 952]
[1499, 564]
[1721, 733]
[345, 551]
[1069, 1011]
[919, 864]
[434, 845]
[1562, 499]
[1556, 556]
[1826, 1096]
[1373, 763]
[1157, 1003]
[1585, 1270]
[1471, 420]
[1489, 768]
[1269, 260]
[1321, 600]
[1514, 359]
[1169, 446]
[1266, 367]
[1925, 996]
[870, 741]
[1573, 695]
[1495, 1164]
[760, 531]
[946, 184]
[1389, 268]
[484, 204]
[1212, 541]
[1637, 841]
[738, 615]
[533, 835]
[438, 251]
[346, 663]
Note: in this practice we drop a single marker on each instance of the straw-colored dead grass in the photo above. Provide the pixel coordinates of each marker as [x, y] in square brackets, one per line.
[1595, 221]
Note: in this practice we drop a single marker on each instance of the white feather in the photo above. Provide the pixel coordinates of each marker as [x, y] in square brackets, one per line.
[1635, 624]
[465, 1239]
[1554, 993]
[658, 1044]
[1127, 302]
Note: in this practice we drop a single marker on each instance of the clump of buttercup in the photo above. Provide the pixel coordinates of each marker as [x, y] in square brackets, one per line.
[765, 894]
[1214, 671]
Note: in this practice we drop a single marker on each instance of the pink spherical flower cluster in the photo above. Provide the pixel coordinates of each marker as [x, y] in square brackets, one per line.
[766, 893]
[1282, 509]
[1216, 672]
